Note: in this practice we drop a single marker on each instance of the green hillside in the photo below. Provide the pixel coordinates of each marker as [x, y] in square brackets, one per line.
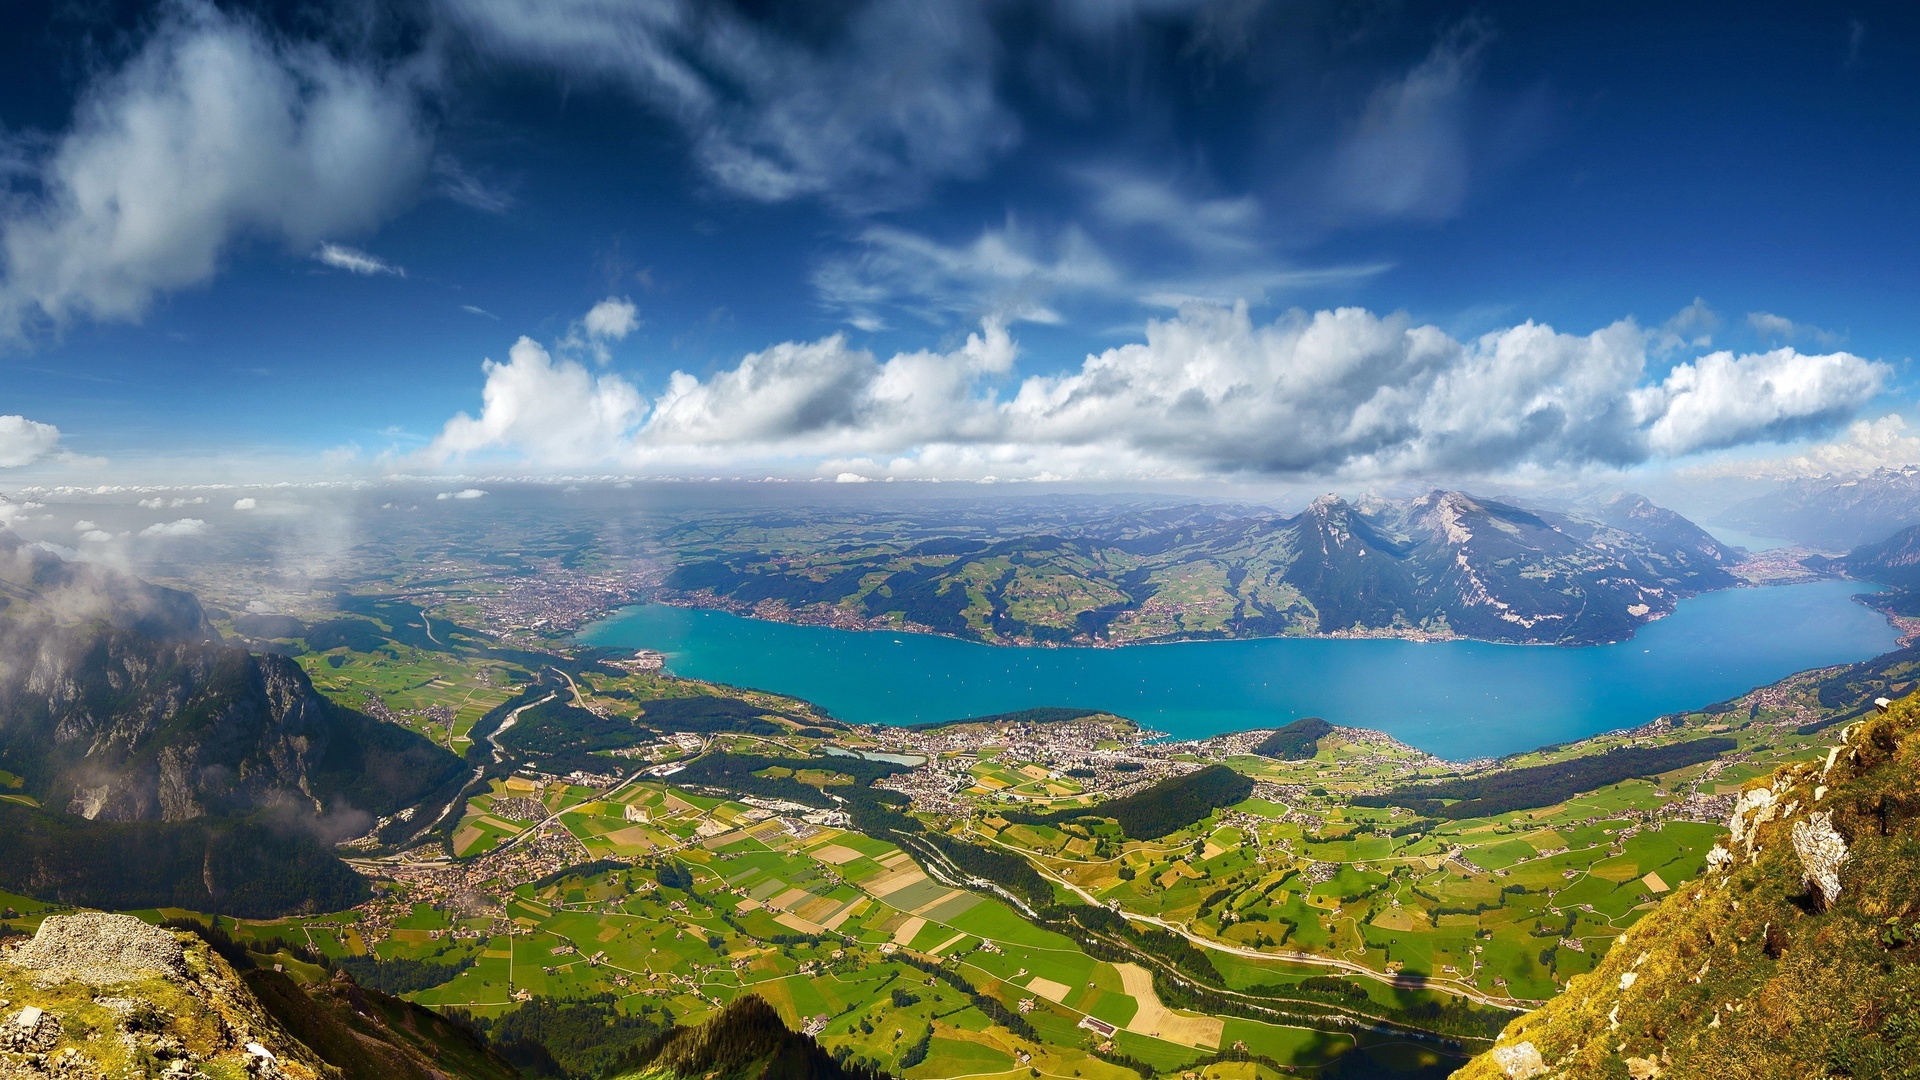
[1796, 958]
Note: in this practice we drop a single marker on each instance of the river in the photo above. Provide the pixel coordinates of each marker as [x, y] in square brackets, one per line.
[1460, 699]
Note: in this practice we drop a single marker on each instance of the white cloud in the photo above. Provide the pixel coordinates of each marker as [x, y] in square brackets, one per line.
[472, 310]
[96, 536]
[1205, 225]
[1016, 274]
[1865, 445]
[1010, 273]
[1208, 392]
[355, 261]
[1406, 155]
[83, 525]
[464, 493]
[902, 92]
[612, 319]
[155, 503]
[181, 527]
[24, 441]
[553, 412]
[209, 133]
[468, 190]
[248, 503]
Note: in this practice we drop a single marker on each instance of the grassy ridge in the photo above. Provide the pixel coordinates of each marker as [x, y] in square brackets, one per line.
[1753, 975]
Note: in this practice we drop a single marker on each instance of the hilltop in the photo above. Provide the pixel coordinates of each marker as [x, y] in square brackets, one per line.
[1794, 956]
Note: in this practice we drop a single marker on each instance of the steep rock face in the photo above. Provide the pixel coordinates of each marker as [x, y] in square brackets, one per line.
[118, 704]
[112, 725]
[1796, 955]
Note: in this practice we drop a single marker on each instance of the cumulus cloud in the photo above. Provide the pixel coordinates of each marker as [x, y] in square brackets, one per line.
[464, 493]
[95, 536]
[612, 319]
[248, 503]
[355, 261]
[24, 441]
[901, 94]
[211, 132]
[1209, 391]
[181, 527]
[1887, 442]
[83, 525]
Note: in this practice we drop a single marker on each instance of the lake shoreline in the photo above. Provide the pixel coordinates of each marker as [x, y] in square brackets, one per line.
[775, 611]
[1459, 700]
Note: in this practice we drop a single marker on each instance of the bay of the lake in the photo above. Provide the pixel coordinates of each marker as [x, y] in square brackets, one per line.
[1458, 699]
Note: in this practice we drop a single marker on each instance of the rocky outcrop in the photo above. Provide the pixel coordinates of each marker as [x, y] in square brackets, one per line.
[98, 996]
[96, 947]
[1822, 853]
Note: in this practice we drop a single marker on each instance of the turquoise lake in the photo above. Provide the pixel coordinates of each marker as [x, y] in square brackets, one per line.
[1459, 700]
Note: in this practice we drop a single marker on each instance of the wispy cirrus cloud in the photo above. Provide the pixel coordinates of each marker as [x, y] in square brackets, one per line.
[355, 261]
[900, 95]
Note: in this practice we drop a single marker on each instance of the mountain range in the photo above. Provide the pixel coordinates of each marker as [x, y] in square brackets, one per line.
[1834, 513]
[1446, 564]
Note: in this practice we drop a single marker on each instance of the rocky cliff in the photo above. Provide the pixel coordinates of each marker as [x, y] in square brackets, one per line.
[1796, 955]
[158, 766]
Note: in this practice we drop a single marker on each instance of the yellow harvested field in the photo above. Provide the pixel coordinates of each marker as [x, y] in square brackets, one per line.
[805, 926]
[1047, 988]
[896, 860]
[903, 935]
[790, 899]
[1210, 850]
[748, 903]
[888, 884]
[854, 907]
[1157, 1020]
[1399, 918]
[633, 836]
[1654, 883]
[817, 909]
[464, 836]
[835, 854]
[947, 944]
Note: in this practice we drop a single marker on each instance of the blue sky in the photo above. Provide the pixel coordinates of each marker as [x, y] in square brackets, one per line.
[284, 238]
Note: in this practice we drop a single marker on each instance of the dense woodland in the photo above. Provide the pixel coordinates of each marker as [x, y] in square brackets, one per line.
[1544, 785]
[1297, 741]
[1168, 806]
